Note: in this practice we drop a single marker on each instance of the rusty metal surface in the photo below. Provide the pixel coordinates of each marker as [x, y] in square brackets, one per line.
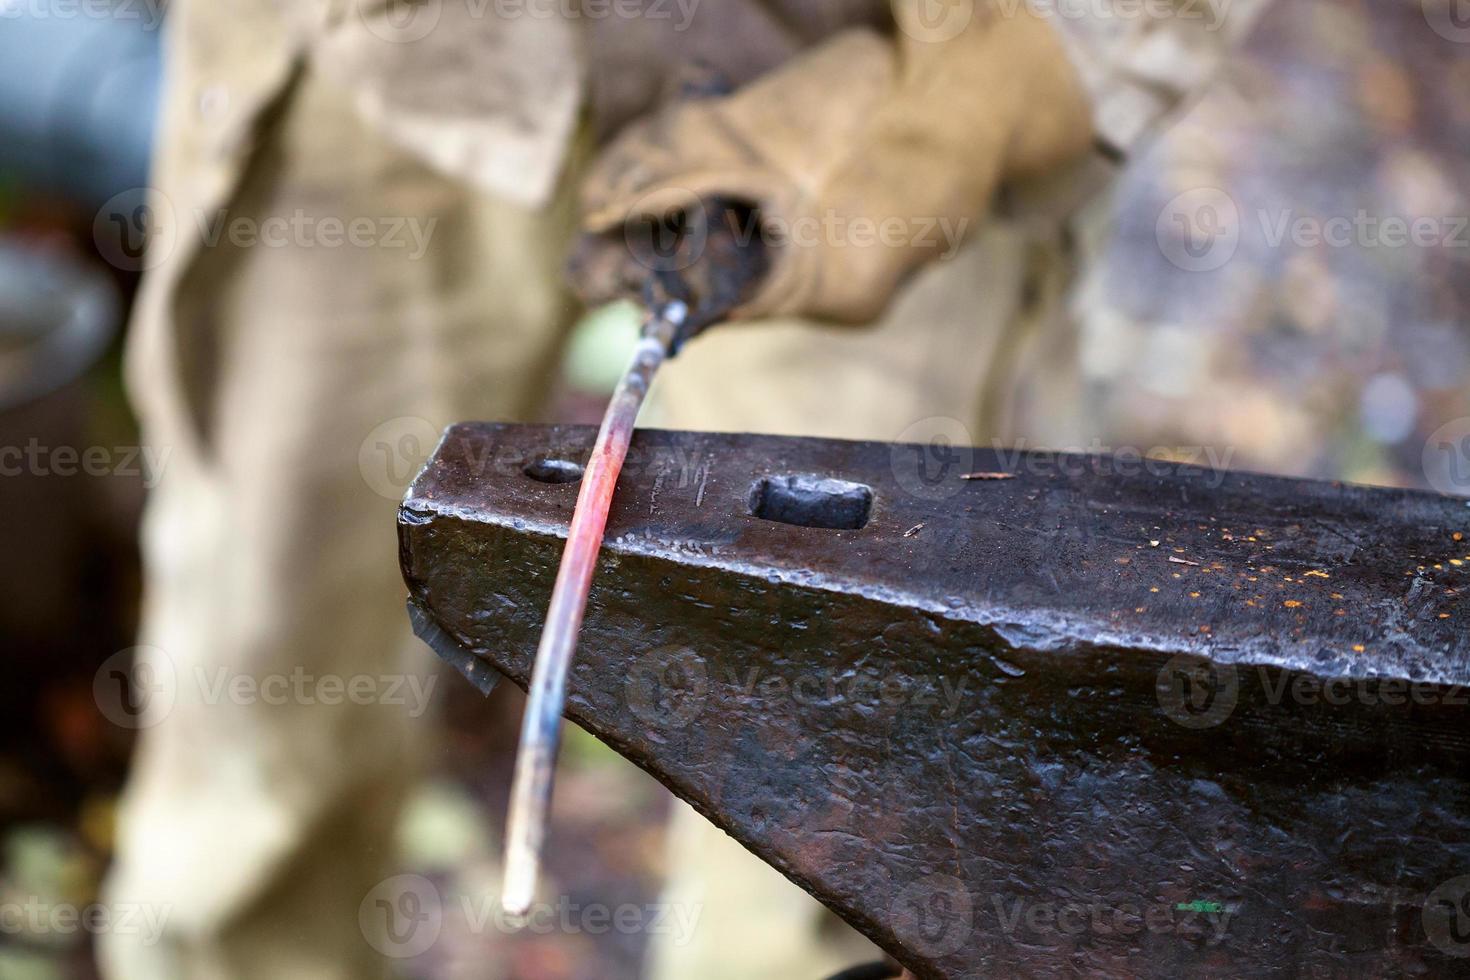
[1094, 715]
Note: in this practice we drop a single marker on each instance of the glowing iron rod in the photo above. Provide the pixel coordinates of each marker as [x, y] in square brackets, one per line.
[530, 799]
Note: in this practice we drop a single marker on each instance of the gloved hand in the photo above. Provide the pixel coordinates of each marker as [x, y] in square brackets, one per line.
[854, 153]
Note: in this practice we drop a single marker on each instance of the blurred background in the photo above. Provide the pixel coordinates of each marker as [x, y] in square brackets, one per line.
[1255, 234]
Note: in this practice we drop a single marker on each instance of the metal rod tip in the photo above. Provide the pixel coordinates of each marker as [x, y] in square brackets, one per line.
[519, 888]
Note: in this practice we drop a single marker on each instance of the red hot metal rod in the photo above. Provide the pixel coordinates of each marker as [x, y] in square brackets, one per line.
[530, 796]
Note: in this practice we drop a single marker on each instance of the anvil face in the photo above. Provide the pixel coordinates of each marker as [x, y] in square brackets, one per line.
[1009, 714]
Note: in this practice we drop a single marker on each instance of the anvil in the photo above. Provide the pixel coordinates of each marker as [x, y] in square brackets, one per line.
[1008, 713]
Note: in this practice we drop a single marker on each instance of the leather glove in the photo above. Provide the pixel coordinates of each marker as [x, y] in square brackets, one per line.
[864, 157]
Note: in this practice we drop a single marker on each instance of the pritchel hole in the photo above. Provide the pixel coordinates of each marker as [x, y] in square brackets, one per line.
[811, 501]
[554, 471]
